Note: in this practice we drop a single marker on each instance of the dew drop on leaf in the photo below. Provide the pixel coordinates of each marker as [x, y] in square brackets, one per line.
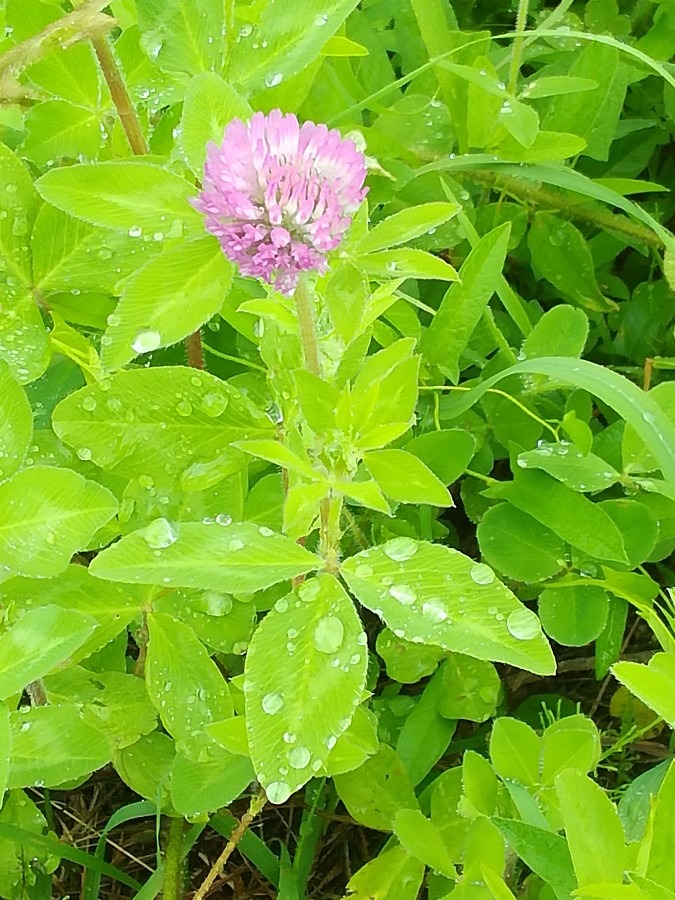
[272, 703]
[289, 737]
[482, 574]
[235, 544]
[184, 408]
[403, 593]
[89, 404]
[278, 792]
[363, 571]
[328, 634]
[159, 534]
[214, 404]
[523, 624]
[146, 341]
[400, 549]
[434, 610]
[299, 757]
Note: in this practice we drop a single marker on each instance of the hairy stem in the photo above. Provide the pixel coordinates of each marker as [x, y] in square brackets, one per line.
[307, 326]
[255, 807]
[120, 97]
[173, 861]
[517, 48]
[193, 347]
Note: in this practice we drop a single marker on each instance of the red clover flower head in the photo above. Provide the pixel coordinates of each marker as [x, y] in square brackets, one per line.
[279, 195]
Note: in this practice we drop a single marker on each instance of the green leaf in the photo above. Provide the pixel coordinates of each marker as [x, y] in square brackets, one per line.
[634, 405]
[515, 749]
[561, 331]
[5, 749]
[638, 526]
[569, 743]
[183, 35]
[573, 616]
[407, 263]
[137, 197]
[393, 875]
[354, 745]
[16, 423]
[464, 304]
[636, 454]
[197, 555]
[281, 455]
[199, 787]
[170, 298]
[561, 255]
[376, 792]
[69, 72]
[471, 688]
[406, 225]
[294, 722]
[37, 643]
[24, 847]
[46, 515]
[186, 687]
[58, 129]
[111, 607]
[18, 205]
[585, 473]
[423, 840]
[593, 830]
[405, 661]
[555, 85]
[284, 41]
[24, 340]
[652, 684]
[520, 120]
[146, 768]
[405, 478]
[437, 595]
[568, 514]
[661, 865]
[544, 852]
[115, 703]
[593, 115]
[52, 744]
[426, 732]
[166, 426]
[218, 620]
[210, 104]
[447, 453]
[518, 545]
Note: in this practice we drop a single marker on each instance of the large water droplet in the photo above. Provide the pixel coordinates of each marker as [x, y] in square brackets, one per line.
[89, 403]
[278, 792]
[272, 703]
[434, 610]
[159, 534]
[363, 570]
[299, 757]
[214, 404]
[523, 624]
[216, 604]
[274, 79]
[403, 593]
[329, 634]
[482, 574]
[146, 341]
[400, 549]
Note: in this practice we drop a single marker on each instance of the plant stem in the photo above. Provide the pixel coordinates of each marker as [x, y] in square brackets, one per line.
[173, 861]
[517, 49]
[307, 326]
[257, 803]
[120, 97]
[193, 347]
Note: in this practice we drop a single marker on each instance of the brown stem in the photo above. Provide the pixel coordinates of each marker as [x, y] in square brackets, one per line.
[647, 373]
[120, 97]
[256, 805]
[193, 347]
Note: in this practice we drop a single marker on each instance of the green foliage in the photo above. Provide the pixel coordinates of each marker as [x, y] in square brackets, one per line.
[295, 561]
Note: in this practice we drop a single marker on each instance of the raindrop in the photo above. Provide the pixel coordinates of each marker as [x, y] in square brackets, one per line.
[159, 534]
[84, 453]
[403, 593]
[274, 79]
[235, 544]
[289, 737]
[146, 341]
[330, 741]
[482, 574]
[400, 549]
[523, 624]
[299, 757]
[89, 403]
[223, 519]
[434, 610]
[184, 408]
[272, 703]
[217, 604]
[214, 404]
[328, 634]
[113, 320]
[363, 571]
[265, 531]
[320, 20]
[278, 792]
[309, 591]
[135, 231]
[281, 605]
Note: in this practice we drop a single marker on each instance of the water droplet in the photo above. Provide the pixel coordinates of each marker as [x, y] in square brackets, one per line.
[217, 604]
[289, 737]
[320, 20]
[309, 590]
[274, 79]
[281, 605]
[482, 574]
[89, 403]
[329, 634]
[403, 593]
[278, 792]
[113, 320]
[272, 703]
[400, 549]
[330, 741]
[214, 404]
[84, 453]
[235, 544]
[363, 571]
[223, 519]
[265, 531]
[146, 341]
[159, 534]
[135, 231]
[184, 408]
[434, 610]
[523, 624]
[299, 757]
